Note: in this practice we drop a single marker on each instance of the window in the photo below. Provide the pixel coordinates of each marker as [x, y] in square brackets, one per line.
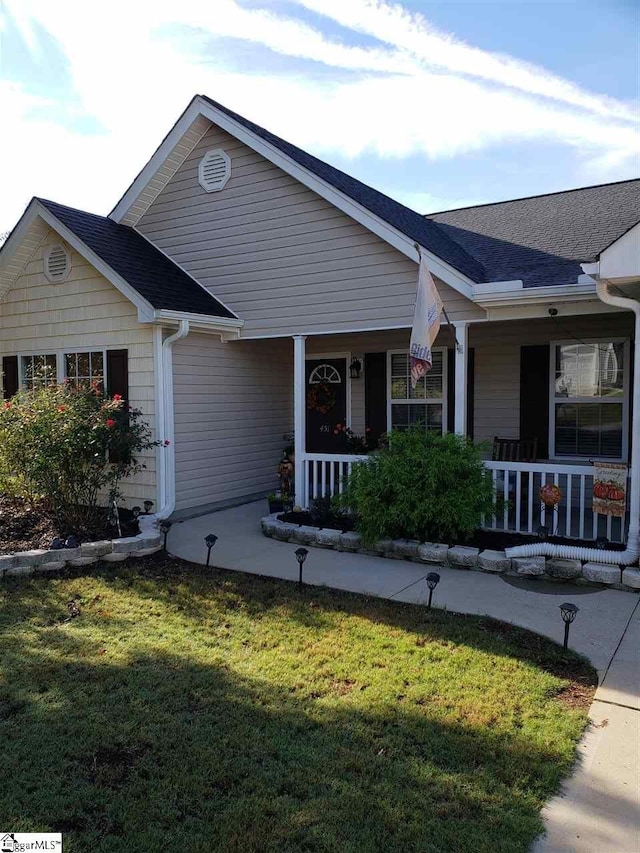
[39, 371]
[85, 368]
[325, 373]
[426, 403]
[589, 399]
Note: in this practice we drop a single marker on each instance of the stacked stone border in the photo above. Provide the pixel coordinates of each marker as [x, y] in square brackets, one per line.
[41, 561]
[458, 556]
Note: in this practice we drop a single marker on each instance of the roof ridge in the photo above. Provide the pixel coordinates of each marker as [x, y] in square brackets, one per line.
[528, 197]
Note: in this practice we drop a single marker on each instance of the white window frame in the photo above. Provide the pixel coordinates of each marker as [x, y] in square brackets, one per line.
[553, 400]
[312, 356]
[433, 400]
[60, 361]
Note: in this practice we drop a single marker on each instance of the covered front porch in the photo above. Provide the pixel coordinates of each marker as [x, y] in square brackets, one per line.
[560, 386]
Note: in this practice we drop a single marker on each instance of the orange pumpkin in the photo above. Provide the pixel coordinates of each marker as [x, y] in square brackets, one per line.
[614, 493]
[601, 490]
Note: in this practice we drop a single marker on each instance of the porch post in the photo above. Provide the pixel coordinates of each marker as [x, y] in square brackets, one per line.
[460, 362]
[299, 425]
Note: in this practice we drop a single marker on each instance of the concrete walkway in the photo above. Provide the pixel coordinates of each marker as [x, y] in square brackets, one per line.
[599, 808]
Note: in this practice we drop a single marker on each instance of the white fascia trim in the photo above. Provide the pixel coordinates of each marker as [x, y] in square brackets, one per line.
[578, 292]
[382, 229]
[145, 309]
[228, 326]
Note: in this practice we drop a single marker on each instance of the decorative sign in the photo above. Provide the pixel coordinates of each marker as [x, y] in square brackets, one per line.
[609, 489]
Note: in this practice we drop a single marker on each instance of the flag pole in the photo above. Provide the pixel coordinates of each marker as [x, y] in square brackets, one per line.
[444, 310]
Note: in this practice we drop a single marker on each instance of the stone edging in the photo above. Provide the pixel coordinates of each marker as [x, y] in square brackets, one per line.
[457, 557]
[148, 541]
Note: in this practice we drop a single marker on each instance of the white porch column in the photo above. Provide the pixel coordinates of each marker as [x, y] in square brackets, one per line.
[461, 362]
[299, 417]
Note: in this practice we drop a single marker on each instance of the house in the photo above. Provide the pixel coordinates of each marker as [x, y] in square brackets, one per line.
[242, 289]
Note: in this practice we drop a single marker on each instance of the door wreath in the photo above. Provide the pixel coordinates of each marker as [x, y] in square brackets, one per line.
[321, 398]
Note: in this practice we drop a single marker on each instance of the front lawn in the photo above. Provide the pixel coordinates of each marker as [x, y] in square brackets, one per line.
[163, 707]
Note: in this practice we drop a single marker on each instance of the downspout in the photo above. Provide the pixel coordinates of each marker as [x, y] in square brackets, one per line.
[632, 551]
[166, 425]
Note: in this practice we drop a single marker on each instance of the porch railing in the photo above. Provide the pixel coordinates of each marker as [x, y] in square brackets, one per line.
[516, 487]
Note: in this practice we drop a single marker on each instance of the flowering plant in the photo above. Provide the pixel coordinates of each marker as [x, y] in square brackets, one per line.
[349, 441]
[70, 446]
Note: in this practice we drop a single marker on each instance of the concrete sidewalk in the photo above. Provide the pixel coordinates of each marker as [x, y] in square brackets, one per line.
[599, 809]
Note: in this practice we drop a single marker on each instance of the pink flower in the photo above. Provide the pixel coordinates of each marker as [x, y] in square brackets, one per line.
[110, 422]
[166, 442]
[117, 397]
[8, 405]
[62, 408]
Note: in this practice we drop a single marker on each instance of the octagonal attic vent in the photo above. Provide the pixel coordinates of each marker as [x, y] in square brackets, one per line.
[57, 263]
[214, 170]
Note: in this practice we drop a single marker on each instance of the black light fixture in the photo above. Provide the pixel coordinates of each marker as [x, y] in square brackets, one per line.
[354, 368]
[210, 541]
[164, 527]
[301, 556]
[433, 579]
[568, 611]
[148, 506]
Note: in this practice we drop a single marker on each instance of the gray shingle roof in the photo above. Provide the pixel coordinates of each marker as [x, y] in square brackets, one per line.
[543, 239]
[157, 278]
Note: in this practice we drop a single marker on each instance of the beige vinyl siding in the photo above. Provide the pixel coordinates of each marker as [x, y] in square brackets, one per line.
[279, 255]
[233, 404]
[497, 362]
[82, 313]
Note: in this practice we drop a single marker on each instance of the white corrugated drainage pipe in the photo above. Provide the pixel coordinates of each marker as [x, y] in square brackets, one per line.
[632, 551]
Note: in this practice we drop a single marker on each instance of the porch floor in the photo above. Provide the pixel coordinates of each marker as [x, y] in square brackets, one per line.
[599, 806]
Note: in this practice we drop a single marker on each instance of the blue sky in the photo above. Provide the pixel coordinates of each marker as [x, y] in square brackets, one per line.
[439, 104]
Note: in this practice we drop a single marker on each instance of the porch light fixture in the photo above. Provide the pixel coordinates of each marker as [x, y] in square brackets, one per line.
[354, 368]
[148, 506]
[433, 579]
[164, 527]
[301, 556]
[210, 541]
[568, 611]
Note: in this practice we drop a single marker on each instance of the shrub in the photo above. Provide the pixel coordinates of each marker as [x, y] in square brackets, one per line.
[69, 446]
[420, 486]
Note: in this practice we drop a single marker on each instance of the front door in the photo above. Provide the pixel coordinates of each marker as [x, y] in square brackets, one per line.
[326, 400]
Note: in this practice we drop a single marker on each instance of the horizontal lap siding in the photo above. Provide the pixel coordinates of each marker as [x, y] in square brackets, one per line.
[279, 255]
[84, 312]
[233, 404]
[497, 363]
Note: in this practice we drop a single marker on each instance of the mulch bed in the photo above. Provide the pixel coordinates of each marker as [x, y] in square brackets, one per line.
[24, 528]
[494, 540]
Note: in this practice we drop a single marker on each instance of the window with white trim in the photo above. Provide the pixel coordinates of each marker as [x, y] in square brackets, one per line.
[426, 403]
[39, 370]
[590, 399]
[85, 368]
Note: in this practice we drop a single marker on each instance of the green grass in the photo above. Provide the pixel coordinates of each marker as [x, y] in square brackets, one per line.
[213, 711]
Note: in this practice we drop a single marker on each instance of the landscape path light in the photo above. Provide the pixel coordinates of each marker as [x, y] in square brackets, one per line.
[568, 611]
[433, 579]
[301, 556]
[210, 541]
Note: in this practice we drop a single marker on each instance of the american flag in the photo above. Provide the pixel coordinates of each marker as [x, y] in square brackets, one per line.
[426, 324]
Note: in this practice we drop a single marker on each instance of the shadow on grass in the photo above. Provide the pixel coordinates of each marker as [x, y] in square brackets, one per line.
[160, 749]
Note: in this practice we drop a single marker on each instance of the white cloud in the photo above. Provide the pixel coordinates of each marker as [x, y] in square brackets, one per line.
[135, 79]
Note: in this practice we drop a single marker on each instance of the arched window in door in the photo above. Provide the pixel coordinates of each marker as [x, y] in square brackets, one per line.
[325, 373]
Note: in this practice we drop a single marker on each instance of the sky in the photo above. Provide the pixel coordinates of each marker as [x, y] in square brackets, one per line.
[438, 103]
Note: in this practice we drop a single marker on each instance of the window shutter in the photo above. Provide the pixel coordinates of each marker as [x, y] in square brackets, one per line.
[10, 375]
[118, 373]
[534, 396]
[375, 395]
[118, 383]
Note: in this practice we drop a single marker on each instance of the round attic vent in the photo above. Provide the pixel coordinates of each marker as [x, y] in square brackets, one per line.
[214, 170]
[57, 263]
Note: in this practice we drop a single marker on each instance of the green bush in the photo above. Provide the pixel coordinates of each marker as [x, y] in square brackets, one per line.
[60, 444]
[421, 486]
